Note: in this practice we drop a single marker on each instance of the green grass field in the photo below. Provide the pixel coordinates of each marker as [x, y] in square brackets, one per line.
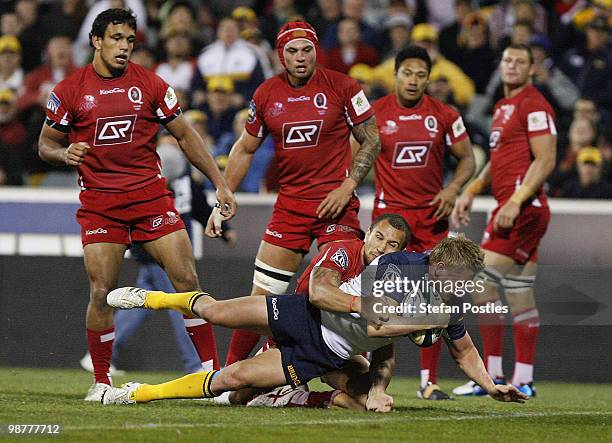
[561, 412]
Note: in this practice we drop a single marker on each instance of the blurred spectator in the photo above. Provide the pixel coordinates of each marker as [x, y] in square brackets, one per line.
[261, 159]
[12, 138]
[31, 38]
[354, 9]
[11, 72]
[438, 13]
[585, 108]
[324, 14]
[449, 35]
[180, 18]
[10, 24]
[509, 12]
[581, 134]
[178, 68]
[282, 10]
[143, 56]
[350, 50]
[250, 32]
[440, 90]
[521, 34]
[589, 183]
[425, 36]
[398, 28]
[219, 109]
[364, 74]
[37, 86]
[229, 56]
[64, 18]
[590, 65]
[82, 50]
[547, 75]
[476, 56]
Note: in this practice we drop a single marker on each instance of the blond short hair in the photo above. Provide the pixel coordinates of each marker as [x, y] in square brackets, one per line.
[458, 252]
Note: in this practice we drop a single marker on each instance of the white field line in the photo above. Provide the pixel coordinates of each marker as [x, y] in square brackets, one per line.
[332, 421]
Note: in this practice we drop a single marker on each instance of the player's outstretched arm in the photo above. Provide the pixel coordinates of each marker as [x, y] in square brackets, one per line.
[381, 371]
[445, 199]
[196, 151]
[52, 148]
[463, 205]
[544, 150]
[366, 134]
[466, 355]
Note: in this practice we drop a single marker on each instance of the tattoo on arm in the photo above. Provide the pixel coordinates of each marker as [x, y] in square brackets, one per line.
[327, 275]
[366, 134]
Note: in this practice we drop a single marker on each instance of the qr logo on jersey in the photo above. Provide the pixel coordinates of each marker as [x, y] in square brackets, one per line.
[340, 258]
[298, 135]
[411, 154]
[114, 130]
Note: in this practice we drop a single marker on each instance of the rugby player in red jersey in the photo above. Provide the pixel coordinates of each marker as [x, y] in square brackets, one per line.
[415, 132]
[523, 148]
[103, 119]
[310, 113]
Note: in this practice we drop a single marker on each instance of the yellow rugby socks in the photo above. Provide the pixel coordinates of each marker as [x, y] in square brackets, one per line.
[190, 386]
[180, 301]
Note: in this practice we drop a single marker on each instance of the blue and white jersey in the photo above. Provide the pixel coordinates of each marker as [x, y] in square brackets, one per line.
[346, 334]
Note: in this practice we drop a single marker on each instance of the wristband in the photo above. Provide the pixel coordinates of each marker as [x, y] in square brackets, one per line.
[352, 304]
[521, 195]
[477, 186]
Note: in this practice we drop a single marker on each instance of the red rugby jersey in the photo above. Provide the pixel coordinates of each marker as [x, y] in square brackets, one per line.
[409, 168]
[310, 127]
[119, 118]
[515, 121]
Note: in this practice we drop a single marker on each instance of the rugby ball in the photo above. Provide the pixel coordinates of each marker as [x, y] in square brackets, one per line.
[426, 337]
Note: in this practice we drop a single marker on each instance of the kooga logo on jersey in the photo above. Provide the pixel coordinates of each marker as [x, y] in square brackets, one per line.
[111, 91]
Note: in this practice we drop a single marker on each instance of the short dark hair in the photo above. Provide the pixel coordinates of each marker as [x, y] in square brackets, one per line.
[412, 51]
[522, 47]
[398, 222]
[111, 16]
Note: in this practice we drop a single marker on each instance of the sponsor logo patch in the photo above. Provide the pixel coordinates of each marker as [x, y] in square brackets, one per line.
[96, 231]
[275, 311]
[301, 98]
[340, 258]
[297, 135]
[53, 103]
[392, 273]
[252, 112]
[404, 118]
[360, 103]
[157, 222]
[114, 130]
[111, 91]
[274, 233]
[170, 98]
[458, 127]
[411, 154]
[537, 121]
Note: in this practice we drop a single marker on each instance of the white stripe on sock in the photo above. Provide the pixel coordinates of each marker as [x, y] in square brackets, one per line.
[207, 365]
[523, 373]
[494, 366]
[107, 337]
[424, 377]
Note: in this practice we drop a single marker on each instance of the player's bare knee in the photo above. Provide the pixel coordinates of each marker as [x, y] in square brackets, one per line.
[97, 298]
[186, 281]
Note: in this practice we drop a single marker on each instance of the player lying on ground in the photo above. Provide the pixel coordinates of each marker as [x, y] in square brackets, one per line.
[318, 337]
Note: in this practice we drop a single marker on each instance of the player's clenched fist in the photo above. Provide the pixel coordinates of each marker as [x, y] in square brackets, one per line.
[75, 153]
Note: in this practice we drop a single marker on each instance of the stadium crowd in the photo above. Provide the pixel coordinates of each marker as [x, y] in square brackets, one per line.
[215, 54]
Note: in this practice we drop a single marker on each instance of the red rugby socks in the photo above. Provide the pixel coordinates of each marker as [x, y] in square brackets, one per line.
[100, 344]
